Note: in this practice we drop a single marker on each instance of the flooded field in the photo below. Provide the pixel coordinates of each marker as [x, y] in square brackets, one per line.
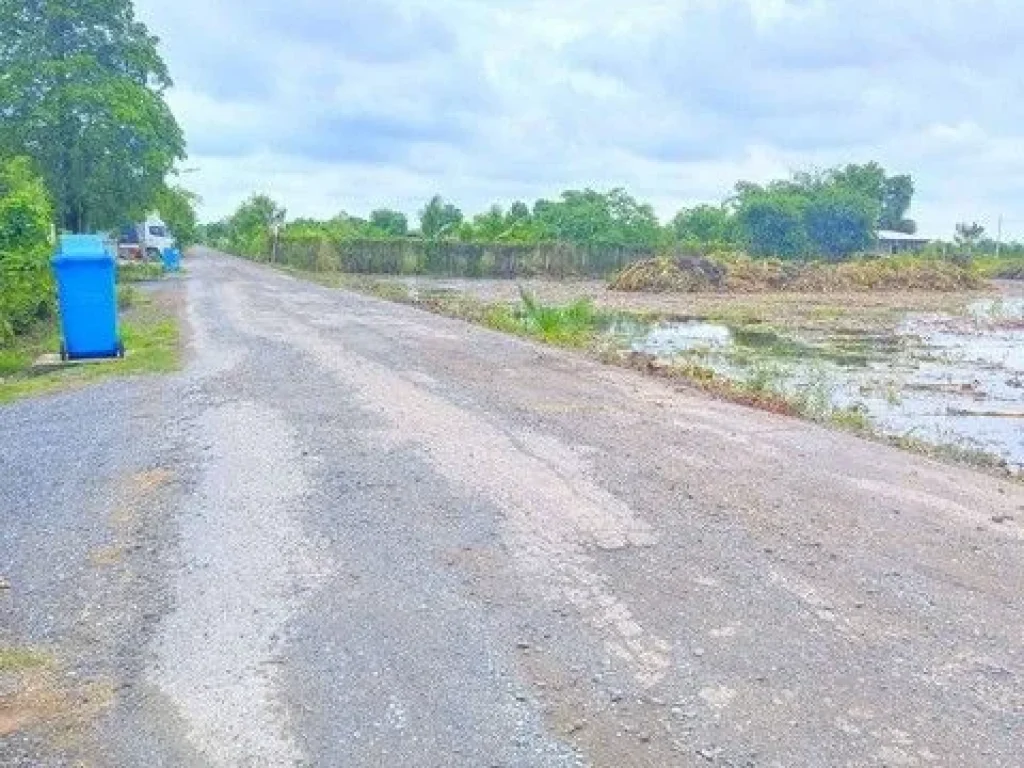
[942, 369]
[942, 379]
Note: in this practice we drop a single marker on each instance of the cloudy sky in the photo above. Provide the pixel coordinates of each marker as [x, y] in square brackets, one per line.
[333, 105]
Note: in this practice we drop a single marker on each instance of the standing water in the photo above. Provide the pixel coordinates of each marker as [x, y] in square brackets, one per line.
[940, 379]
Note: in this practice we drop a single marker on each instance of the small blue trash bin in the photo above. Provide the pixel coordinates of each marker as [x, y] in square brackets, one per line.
[171, 258]
[87, 297]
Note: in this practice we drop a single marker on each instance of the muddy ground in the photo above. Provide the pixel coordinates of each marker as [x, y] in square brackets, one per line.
[940, 372]
[862, 310]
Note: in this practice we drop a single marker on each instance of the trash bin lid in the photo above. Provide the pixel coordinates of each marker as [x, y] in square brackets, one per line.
[81, 248]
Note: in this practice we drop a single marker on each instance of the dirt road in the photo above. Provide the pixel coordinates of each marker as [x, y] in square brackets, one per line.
[354, 534]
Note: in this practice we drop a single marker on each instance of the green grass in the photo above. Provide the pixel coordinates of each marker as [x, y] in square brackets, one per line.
[142, 271]
[1008, 268]
[852, 419]
[151, 338]
[572, 325]
[127, 296]
[17, 659]
[18, 356]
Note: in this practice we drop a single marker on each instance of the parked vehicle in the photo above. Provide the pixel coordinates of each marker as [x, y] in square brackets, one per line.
[145, 241]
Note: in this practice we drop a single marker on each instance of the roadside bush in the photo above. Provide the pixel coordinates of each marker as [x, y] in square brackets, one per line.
[26, 284]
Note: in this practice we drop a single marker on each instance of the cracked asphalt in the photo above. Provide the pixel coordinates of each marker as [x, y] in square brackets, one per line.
[351, 533]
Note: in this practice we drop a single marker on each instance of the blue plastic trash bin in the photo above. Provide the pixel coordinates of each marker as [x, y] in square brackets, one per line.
[87, 298]
[171, 258]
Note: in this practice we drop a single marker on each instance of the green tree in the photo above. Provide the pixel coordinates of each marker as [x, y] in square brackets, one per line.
[705, 226]
[969, 235]
[590, 217]
[252, 226]
[897, 195]
[893, 194]
[490, 226]
[391, 223]
[177, 207]
[635, 223]
[833, 213]
[439, 219]
[216, 234]
[772, 224]
[517, 212]
[81, 93]
[840, 222]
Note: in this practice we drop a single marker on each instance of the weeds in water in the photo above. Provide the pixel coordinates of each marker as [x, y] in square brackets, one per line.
[958, 452]
[764, 377]
[854, 418]
[814, 398]
[574, 325]
[571, 325]
[893, 395]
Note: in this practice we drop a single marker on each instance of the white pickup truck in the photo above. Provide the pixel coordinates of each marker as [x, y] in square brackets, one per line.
[145, 241]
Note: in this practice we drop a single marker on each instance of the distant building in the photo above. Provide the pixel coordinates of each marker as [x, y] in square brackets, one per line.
[899, 242]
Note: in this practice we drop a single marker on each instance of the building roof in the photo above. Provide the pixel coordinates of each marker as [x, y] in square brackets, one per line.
[902, 237]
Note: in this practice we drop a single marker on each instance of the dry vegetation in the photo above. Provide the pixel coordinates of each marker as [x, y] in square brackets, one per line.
[739, 274]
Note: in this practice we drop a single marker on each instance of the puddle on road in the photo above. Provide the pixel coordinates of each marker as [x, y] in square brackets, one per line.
[940, 379]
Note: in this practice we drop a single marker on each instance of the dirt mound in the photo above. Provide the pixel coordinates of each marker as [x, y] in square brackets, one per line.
[693, 274]
[686, 274]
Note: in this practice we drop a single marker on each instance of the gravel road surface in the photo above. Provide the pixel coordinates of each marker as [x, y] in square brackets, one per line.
[350, 533]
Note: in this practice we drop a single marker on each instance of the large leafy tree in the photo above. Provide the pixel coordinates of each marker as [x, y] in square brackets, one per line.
[177, 207]
[705, 225]
[772, 224]
[439, 219]
[590, 217]
[840, 222]
[252, 226]
[390, 222]
[893, 194]
[81, 93]
[833, 213]
[490, 226]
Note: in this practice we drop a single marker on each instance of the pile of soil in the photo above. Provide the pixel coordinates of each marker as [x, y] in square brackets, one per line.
[696, 274]
[686, 274]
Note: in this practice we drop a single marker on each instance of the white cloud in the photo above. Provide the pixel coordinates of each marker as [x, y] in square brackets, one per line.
[355, 105]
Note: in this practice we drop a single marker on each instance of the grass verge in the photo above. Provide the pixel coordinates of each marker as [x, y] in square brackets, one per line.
[149, 328]
[140, 271]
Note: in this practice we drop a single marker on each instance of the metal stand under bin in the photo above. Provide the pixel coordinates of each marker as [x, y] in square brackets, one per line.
[87, 297]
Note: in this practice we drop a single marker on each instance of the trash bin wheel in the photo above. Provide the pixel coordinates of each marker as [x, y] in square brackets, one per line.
[120, 349]
[63, 352]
